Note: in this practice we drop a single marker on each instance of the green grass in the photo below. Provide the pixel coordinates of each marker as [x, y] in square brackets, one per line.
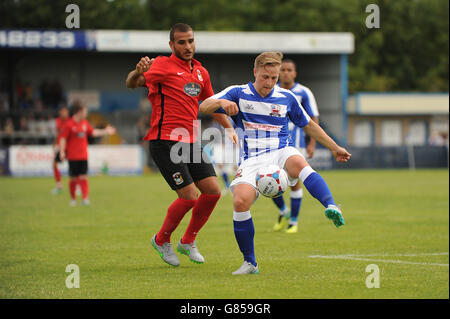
[387, 212]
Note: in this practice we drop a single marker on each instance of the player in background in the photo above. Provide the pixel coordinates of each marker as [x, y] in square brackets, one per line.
[73, 145]
[224, 154]
[288, 73]
[264, 113]
[60, 121]
[176, 85]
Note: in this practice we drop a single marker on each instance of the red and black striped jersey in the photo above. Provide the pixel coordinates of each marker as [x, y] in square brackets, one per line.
[175, 92]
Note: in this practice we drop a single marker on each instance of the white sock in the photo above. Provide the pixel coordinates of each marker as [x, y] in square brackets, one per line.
[297, 193]
[241, 216]
[305, 172]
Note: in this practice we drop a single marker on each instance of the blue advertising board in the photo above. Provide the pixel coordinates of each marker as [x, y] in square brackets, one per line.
[47, 39]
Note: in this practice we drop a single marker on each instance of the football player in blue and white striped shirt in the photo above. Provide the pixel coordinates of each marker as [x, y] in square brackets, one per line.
[264, 113]
[288, 73]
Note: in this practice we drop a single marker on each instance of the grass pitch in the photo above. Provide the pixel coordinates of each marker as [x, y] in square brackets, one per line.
[398, 220]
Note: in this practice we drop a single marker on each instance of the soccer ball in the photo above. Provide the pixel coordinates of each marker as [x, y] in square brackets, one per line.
[271, 181]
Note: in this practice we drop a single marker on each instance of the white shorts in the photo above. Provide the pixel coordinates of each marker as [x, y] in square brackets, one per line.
[302, 151]
[246, 172]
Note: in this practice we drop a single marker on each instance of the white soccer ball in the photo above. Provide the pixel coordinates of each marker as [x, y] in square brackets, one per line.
[271, 181]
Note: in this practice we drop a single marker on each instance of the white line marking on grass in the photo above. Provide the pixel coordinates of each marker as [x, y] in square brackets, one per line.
[393, 255]
[358, 257]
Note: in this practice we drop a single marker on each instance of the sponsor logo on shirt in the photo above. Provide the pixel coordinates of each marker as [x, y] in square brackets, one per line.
[261, 126]
[249, 107]
[192, 89]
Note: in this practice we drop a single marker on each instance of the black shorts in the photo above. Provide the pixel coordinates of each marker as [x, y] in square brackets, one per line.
[181, 164]
[58, 157]
[77, 168]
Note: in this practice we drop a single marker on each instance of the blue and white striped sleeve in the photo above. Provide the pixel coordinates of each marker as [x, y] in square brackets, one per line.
[309, 102]
[296, 113]
[231, 93]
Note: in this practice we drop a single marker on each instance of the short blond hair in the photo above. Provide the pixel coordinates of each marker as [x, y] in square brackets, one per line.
[268, 58]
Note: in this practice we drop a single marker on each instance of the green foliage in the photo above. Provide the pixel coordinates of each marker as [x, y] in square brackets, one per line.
[408, 53]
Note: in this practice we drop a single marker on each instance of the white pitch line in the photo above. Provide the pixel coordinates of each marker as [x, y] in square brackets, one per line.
[392, 255]
[379, 260]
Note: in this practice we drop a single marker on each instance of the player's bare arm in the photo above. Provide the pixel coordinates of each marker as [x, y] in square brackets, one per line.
[312, 142]
[62, 148]
[316, 132]
[136, 77]
[210, 105]
[222, 119]
[108, 130]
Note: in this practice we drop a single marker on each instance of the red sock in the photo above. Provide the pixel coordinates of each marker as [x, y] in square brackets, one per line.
[84, 187]
[72, 187]
[175, 214]
[200, 214]
[56, 174]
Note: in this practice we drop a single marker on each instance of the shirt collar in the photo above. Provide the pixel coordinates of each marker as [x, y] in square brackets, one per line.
[183, 63]
[252, 88]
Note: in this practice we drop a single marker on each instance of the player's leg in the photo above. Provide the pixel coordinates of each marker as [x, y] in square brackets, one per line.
[187, 197]
[244, 230]
[297, 167]
[179, 179]
[73, 181]
[161, 240]
[296, 196]
[283, 217]
[82, 181]
[205, 180]
[57, 174]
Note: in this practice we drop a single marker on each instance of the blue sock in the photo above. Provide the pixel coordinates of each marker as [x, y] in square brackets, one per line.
[296, 201]
[225, 179]
[279, 201]
[244, 231]
[316, 186]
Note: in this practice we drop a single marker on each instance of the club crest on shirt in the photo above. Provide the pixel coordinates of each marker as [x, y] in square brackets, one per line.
[177, 178]
[199, 75]
[275, 110]
[192, 89]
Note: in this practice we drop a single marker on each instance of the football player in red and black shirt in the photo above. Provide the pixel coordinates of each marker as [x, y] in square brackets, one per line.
[73, 145]
[176, 84]
[60, 122]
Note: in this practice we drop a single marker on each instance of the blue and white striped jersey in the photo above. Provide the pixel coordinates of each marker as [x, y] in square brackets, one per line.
[307, 100]
[263, 121]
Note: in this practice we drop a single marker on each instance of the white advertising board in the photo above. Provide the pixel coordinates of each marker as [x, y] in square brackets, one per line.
[33, 160]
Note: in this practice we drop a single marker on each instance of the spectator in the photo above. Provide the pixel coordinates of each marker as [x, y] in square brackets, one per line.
[51, 125]
[32, 125]
[45, 92]
[56, 96]
[26, 102]
[23, 124]
[8, 130]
